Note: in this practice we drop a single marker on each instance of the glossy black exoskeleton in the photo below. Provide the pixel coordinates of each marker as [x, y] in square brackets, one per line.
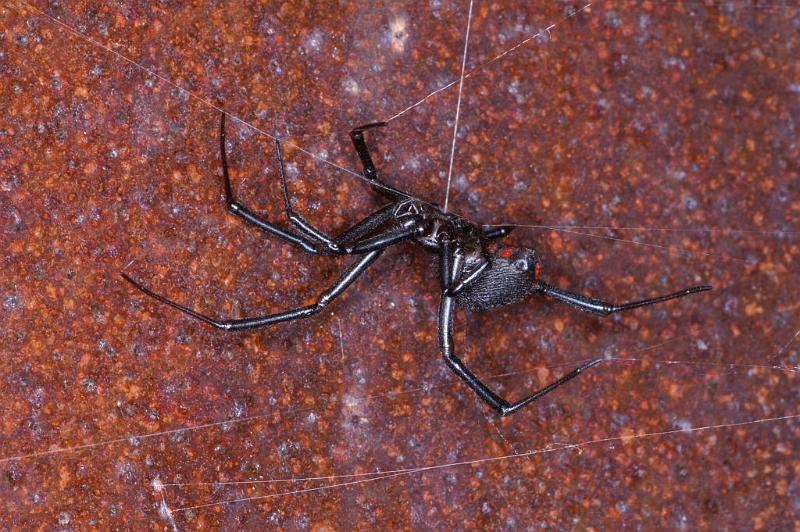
[476, 272]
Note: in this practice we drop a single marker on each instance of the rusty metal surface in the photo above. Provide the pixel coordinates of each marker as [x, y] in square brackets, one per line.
[657, 119]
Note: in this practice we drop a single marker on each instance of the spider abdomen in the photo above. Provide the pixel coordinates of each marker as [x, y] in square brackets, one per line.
[512, 275]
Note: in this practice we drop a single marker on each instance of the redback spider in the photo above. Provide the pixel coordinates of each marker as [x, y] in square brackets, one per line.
[476, 273]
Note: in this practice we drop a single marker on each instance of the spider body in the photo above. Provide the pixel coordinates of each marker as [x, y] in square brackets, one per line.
[476, 272]
[436, 225]
[513, 274]
[491, 276]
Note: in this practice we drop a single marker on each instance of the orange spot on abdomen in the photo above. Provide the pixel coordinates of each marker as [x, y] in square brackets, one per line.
[506, 253]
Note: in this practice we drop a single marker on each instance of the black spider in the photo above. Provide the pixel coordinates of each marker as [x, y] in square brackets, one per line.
[475, 272]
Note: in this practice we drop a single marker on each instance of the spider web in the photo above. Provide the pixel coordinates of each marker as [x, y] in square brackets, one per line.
[690, 393]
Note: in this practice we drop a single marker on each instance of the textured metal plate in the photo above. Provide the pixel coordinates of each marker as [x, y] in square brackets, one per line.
[664, 134]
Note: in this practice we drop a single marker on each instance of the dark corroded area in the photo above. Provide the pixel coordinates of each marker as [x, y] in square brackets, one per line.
[654, 144]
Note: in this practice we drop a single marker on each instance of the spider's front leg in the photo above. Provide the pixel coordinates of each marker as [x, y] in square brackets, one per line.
[308, 242]
[309, 237]
[370, 172]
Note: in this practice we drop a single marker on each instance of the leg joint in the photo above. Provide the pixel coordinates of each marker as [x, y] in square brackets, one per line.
[322, 302]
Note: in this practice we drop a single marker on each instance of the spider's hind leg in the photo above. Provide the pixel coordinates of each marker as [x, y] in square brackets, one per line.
[370, 248]
[500, 405]
[598, 306]
[308, 237]
[335, 245]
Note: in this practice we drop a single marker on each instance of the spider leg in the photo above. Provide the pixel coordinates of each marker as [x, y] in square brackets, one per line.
[368, 225]
[294, 218]
[500, 405]
[383, 240]
[495, 232]
[451, 264]
[347, 278]
[448, 268]
[458, 286]
[370, 172]
[355, 233]
[371, 247]
[237, 209]
[604, 308]
[310, 238]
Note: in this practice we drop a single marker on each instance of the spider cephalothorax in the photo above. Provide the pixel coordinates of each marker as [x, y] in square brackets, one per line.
[476, 272]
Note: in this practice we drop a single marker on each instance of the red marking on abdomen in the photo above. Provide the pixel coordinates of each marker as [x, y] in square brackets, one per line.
[506, 253]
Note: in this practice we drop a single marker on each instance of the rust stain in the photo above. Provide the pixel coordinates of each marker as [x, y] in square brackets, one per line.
[660, 116]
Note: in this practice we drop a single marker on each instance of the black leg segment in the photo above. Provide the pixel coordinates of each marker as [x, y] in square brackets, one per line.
[308, 237]
[500, 405]
[295, 219]
[382, 240]
[370, 172]
[262, 321]
[451, 268]
[495, 232]
[237, 209]
[604, 308]
[368, 225]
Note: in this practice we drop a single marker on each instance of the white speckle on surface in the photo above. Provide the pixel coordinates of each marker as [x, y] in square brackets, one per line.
[11, 302]
[239, 409]
[314, 41]
[673, 62]
[677, 174]
[89, 385]
[351, 87]
[398, 28]
[514, 88]
[412, 163]
[165, 514]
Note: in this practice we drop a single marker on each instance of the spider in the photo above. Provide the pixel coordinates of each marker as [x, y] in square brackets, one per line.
[476, 272]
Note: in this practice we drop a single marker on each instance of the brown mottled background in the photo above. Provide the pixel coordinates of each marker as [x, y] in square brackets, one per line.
[668, 128]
